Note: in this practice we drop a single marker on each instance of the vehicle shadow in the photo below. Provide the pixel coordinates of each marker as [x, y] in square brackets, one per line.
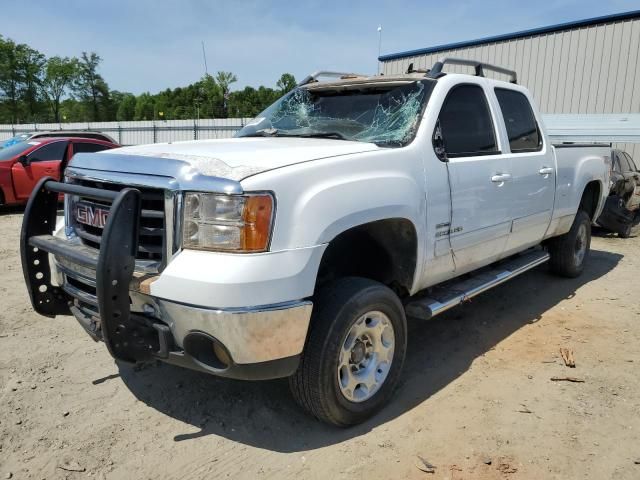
[263, 414]
[11, 209]
[604, 233]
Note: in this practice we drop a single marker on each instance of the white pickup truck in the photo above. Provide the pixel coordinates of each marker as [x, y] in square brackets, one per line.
[299, 248]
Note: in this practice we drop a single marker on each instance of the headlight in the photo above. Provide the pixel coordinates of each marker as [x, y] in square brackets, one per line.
[236, 223]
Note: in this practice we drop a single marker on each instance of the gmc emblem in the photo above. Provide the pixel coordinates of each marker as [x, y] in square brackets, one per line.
[96, 217]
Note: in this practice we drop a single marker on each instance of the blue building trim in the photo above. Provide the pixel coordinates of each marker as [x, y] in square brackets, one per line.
[511, 36]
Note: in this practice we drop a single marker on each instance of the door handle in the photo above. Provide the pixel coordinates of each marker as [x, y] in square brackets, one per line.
[501, 177]
[546, 171]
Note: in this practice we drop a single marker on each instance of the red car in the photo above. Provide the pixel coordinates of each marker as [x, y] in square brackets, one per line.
[23, 164]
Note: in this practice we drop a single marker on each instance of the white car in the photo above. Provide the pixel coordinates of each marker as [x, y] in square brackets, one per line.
[299, 248]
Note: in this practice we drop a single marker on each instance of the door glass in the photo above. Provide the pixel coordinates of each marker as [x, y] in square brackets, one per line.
[623, 162]
[632, 165]
[522, 129]
[465, 122]
[50, 151]
[85, 147]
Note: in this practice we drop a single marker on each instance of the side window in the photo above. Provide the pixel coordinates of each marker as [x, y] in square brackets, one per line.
[85, 147]
[623, 162]
[522, 129]
[50, 151]
[616, 161]
[632, 165]
[465, 123]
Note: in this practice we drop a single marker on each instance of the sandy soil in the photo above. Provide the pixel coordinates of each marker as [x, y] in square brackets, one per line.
[476, 400]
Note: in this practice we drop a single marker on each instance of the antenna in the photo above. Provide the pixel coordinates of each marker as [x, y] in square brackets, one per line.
[204, 56]
[379, 48]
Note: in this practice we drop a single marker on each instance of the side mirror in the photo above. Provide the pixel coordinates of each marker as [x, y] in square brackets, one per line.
[438, 144]
[24, 160]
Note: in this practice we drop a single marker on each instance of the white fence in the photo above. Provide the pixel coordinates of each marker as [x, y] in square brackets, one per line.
[623, 130]
[136, 133]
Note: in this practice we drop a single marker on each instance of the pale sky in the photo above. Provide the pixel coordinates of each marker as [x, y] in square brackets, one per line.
[150, 45]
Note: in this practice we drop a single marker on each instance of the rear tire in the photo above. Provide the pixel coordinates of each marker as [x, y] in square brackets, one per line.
[626, 233]
[354, 352]
[570, 251]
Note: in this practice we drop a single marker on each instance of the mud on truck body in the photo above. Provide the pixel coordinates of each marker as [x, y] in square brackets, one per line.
[299, 248]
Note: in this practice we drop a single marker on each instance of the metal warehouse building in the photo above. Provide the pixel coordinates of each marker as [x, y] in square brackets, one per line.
[588, 66]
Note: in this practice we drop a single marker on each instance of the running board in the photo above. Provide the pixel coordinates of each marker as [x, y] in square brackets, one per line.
[450, 295]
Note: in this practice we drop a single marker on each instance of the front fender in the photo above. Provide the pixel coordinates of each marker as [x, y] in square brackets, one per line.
[327, 210]
[316, 201]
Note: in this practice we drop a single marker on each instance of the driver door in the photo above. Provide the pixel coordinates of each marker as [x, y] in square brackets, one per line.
[44, 161]
[479, 176]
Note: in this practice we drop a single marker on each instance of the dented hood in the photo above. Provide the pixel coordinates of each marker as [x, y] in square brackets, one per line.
[238, 158]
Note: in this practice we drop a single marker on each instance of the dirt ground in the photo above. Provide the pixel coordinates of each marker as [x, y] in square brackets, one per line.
[475, 401]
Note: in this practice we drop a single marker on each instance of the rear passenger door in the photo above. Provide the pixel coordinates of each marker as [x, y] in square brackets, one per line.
[533, 168]
[479, 179]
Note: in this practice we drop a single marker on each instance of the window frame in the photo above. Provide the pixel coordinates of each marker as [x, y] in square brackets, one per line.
[540, 146]
[632, 163]
[40, 147]
[76, 142]
[496, 135]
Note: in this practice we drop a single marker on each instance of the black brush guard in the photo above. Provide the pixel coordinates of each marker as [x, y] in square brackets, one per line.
[129, 337]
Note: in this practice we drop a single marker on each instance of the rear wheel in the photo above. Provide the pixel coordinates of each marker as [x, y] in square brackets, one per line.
[626, 232]
[354, 354]
[570, 251]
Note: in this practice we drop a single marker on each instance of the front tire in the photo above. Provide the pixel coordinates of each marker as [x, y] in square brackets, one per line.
[354, 353]
[570, 251]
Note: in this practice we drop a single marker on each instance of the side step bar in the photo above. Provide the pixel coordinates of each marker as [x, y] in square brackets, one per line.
[450, 295]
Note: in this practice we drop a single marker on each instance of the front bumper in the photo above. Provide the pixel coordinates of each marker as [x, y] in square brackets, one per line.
[248, 343]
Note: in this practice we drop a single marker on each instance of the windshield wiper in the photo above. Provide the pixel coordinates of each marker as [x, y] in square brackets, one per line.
[274, 132]
[263, 132]
[337, 135]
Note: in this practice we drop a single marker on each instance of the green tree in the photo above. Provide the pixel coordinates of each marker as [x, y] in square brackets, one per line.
[31, 65]
[10, 78]
[144, 107]
[224, 79]
[89, 85]
[70, 89]
[286, 83]
[126, 108]
[59, 75]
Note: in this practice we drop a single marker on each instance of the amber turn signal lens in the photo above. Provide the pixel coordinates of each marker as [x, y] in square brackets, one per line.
[257, 215]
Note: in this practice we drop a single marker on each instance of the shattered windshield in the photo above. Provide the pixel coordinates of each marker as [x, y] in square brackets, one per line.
[384, 114]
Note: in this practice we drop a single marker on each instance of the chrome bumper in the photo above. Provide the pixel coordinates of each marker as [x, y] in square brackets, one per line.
[260, 342]
[250, 335]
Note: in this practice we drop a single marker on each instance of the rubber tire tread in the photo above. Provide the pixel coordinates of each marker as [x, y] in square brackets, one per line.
[329, 306]
[561, 249]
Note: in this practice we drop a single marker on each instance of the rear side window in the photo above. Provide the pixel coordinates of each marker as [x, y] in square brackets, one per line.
[522, 128]
[85, 147]
[621, 164]
[465, 123]
[50, 151]
[632, 165]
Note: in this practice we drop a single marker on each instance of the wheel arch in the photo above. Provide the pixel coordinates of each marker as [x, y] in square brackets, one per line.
[384, 250]
[591, 199]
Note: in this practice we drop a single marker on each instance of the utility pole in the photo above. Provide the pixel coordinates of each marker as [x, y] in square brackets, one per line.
[204, 56]
[379, 48]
